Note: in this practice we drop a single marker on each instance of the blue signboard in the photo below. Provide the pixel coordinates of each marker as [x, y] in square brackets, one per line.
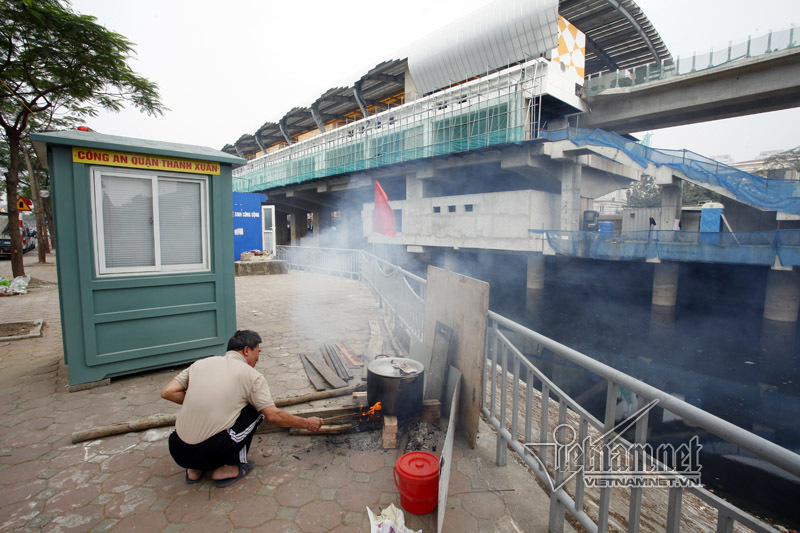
[246, 222]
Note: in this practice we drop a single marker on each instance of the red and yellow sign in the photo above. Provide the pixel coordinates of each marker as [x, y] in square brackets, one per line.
[23, 204]
[94, 156]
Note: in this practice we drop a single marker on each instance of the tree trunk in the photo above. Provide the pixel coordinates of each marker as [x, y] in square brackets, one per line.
[38, 211]
[48, 209]
[12, 183]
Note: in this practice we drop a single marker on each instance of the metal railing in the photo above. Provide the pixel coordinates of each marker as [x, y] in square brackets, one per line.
[514, 390]
[752, 47]
[500, 108]
[515, 428]
[330, 261]
[401, 292]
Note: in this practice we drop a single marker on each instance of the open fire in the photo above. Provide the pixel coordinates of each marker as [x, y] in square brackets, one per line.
[364, 415]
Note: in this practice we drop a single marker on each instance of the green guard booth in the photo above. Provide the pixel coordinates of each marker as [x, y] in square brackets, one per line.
[144, 237]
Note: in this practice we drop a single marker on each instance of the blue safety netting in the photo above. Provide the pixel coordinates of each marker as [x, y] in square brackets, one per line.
[763, 193]
[755, 248]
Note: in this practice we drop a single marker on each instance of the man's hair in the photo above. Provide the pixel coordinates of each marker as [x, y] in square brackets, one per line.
[242, 338]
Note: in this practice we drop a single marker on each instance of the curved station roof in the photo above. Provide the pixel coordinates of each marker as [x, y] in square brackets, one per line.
[618, 35]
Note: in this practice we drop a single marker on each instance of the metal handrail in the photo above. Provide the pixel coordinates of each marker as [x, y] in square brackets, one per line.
[753, 47]
[500, 350]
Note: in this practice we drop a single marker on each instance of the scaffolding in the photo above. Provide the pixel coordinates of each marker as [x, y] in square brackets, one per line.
[499, 108]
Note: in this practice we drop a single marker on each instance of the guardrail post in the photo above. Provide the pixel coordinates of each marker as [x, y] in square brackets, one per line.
[561, 461]
[501, 452]
[543, 424]
[674, 510]
[608, 426]
[580, 484]
[724, 522]
[640, 462]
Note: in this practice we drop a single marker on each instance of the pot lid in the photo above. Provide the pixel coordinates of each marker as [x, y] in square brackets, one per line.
[395, 367]
[417, 465]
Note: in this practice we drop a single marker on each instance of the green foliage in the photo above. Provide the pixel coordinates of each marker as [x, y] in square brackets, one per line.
[692, 194]
[644, 193]
[56, 62]
[57, 59]
[786, 160]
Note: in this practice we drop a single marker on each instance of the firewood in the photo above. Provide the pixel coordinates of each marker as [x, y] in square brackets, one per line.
[149, 422]
[332, 429]
[163, 420]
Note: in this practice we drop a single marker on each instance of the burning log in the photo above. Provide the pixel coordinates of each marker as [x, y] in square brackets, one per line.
[363, 415]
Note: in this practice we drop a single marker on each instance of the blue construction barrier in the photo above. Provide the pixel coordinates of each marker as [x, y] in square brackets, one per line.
[763, 193]
[755, 248]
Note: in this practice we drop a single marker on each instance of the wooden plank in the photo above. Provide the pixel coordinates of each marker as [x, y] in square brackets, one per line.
[314, 376]
[327, 393]
[335, 362]
[440, 360]
[463, 304]
[350, 357]
[326, 371]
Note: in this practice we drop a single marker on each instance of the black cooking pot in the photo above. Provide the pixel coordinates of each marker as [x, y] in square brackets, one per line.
[397, 383]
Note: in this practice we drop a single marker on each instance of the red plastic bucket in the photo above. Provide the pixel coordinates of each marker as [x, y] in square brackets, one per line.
[416, 475]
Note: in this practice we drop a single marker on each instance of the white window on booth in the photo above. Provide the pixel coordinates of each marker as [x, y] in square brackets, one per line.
[147, 222]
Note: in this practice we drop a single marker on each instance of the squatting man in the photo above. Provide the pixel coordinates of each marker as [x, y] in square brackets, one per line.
[223, 400]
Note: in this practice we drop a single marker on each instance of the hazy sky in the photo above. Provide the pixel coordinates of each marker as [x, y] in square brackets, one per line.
[225, 68]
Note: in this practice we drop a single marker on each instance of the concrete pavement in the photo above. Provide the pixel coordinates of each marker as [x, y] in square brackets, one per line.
[300, 484]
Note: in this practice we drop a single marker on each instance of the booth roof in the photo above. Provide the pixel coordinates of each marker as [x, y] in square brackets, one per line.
[90, 139]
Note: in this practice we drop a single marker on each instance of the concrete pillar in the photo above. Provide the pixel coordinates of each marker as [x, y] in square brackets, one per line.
[662, 322]
[298, 228]
[414, 188]
[783, 296]
[571, 176]
[670, 206]
[535, 271]
[534, 299]
[316, 230]
[665, 284]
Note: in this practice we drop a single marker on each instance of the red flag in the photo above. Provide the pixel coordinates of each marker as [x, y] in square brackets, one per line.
[383, 217]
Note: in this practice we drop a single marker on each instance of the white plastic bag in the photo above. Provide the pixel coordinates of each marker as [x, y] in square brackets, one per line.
[20, 284]
[391, 520]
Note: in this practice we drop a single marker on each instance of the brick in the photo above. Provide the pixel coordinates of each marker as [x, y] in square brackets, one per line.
[389, 425]
[360, 397]
[389, 442]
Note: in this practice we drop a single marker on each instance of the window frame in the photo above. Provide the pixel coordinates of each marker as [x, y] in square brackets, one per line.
[101, 270]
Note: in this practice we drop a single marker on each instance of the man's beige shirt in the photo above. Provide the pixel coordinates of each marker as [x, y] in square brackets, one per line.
[217, 389]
